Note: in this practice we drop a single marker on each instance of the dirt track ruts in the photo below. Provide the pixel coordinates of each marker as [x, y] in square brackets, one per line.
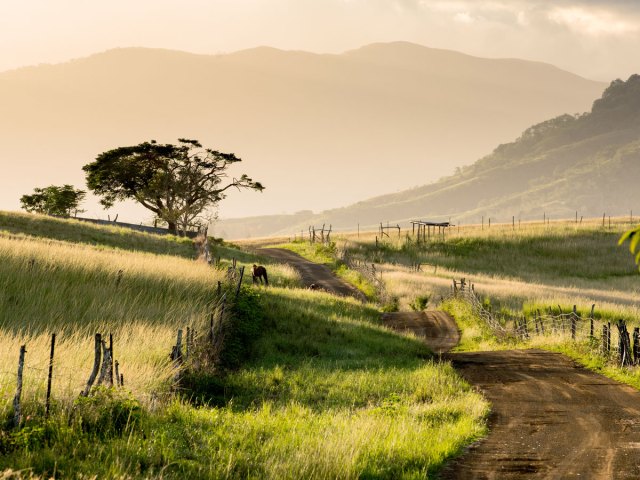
[438, 330]
[551, 419]
[312, 273]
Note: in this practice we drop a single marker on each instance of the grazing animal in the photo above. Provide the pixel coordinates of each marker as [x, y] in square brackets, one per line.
[259, 273]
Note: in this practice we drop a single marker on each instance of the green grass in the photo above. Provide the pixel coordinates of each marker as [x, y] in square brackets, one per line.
[76, 231]
[319, 390]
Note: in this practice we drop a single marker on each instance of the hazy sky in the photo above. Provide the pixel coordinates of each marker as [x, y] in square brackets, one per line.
[595, 38]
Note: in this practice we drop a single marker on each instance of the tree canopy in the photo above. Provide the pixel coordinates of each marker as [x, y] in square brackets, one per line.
[59, 201]
[178, 183]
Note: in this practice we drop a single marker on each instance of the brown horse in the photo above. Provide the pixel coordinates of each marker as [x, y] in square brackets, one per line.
[259, 272]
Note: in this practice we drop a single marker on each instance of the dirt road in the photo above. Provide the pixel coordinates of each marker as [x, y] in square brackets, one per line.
[437, 328]
[312, 273]
[551, 419]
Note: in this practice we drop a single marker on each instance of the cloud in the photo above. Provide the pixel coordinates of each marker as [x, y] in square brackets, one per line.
[593, 22]
[584, 17]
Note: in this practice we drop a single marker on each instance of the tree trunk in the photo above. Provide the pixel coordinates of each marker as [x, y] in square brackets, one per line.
[173, 227]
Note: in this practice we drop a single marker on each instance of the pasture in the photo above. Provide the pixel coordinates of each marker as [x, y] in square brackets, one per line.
[322, 391]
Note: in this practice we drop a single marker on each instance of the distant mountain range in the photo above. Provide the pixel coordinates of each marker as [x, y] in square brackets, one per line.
[587, 163]
[320, 131]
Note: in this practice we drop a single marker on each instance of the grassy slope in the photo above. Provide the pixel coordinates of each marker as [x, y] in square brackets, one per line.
[524, 270]
[326, 392]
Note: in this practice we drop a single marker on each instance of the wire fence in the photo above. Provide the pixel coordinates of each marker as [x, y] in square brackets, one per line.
[196, 347]
[599, 336]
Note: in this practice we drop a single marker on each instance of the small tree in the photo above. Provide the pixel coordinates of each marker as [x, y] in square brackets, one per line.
[54, 200]
[176, 182]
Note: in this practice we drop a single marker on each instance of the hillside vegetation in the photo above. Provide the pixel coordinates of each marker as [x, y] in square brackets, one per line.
[586, 163]
[289, 115]
[317, 389]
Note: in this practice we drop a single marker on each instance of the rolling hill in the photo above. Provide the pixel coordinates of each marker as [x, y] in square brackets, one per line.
[320, 131]
[588, 163]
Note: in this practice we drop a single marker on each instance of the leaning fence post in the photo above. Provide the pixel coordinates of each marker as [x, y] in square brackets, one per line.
[96, 364]
[16, 400]
[574, 318]
[105, 369]
[240, 282]
[49, 377]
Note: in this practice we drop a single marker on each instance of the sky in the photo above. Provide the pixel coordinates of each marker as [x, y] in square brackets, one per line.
[595, 38]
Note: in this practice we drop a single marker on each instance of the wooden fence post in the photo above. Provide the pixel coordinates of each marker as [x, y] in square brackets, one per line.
[111, 359]
[117, 366]
[239, 282]
[604, 339]
[574, 320]
[636, 347]
[624, 345]
[50, 375]
[17, 417]
[591, 321]
[96, 364]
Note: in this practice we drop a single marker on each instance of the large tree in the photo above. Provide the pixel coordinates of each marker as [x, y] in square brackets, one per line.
[178, 183]
[59, 201]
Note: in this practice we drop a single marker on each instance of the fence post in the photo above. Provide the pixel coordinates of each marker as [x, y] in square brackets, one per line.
[96, 364]
[240, 282]
[17, 417]
[50, 376]
[111, 359]
[636, 347]
[604, 339]
[117, 365]
[591, 322]
[574, 320]
[624, 344]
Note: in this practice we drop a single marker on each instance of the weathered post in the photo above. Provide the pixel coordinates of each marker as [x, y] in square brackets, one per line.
[574, 320]
[624, 346]
[96, 364]
[636, 347]
[604, 340]
[17, 416]
[111, 359]
[239, 282]
[591, 322]
[50, 375]
[117, 373]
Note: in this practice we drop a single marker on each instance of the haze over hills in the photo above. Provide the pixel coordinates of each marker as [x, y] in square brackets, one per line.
[587, 163]
[320, 131]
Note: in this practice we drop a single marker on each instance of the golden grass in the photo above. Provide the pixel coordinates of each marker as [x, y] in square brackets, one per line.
[76, 290]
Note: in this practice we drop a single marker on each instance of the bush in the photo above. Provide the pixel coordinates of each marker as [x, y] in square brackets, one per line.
[107, 413]
[392, 305]
[420, 303]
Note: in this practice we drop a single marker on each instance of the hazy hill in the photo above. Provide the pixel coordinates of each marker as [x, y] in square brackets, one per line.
[319, 131]
[588, 163]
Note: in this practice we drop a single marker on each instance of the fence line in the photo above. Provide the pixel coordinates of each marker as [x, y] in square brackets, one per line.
[205, 339]
[578, 327]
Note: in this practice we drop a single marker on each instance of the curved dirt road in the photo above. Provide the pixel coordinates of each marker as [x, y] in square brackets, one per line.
[551, 419]
[438, 330]
[312, 273]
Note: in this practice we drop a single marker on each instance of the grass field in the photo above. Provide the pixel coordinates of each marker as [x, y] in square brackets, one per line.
[323, 390]
[518, 271]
